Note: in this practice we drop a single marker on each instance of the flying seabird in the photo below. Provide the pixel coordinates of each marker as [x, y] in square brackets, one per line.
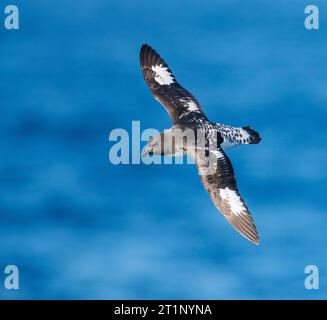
[217, 174]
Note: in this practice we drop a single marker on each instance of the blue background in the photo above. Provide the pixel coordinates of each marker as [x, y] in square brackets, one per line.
[80, 227]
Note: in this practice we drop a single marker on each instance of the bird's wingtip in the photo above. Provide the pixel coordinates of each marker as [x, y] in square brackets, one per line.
[145, 46]
[255, 241]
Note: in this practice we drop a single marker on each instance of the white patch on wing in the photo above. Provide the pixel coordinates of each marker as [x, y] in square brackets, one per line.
[163, 76]
[191, 106]
[233, 199]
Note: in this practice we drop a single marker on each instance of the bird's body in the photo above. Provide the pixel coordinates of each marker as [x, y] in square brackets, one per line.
[192, 133]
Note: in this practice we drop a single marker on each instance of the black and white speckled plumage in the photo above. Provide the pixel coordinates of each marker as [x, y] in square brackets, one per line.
[186, 113]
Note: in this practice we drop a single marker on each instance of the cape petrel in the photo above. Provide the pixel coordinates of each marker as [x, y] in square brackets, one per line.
[187, 114]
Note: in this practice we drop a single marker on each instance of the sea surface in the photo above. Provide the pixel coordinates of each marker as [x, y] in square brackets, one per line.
[79, 227]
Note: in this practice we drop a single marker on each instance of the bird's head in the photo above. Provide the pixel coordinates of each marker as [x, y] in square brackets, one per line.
[154, 146]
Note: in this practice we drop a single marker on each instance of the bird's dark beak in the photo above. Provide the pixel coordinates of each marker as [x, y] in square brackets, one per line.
[147, 151]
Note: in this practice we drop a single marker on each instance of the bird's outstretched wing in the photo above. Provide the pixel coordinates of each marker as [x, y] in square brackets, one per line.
[180, 104]
[219, 181]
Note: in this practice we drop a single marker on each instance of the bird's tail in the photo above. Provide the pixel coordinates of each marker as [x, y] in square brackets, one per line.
[254, 135]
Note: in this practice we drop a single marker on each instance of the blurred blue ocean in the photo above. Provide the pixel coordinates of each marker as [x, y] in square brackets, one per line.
[80, 227]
